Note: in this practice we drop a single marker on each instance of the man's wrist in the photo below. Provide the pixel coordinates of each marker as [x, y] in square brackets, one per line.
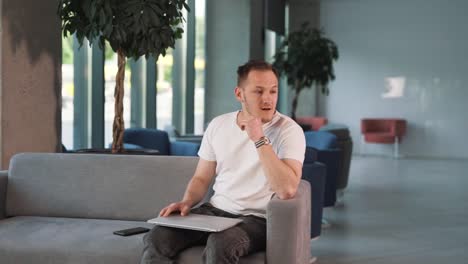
[255, 139]
[188, 202]
[262, 141]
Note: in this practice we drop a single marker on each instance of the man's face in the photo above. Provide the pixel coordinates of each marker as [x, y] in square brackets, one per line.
[258, 94]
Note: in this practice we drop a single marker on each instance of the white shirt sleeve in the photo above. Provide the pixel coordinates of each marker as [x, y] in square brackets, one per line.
[292, 144]
[206, 150]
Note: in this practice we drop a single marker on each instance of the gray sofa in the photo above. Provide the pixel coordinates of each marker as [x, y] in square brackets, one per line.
[63, 208]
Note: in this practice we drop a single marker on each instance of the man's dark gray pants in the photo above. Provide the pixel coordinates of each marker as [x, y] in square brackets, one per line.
[163, 244]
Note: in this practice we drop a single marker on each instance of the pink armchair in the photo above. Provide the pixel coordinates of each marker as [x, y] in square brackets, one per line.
[383, 130]
[315, 122]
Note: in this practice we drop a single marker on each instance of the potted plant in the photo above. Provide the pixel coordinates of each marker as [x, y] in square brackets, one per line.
[306, 58]
[133, 28]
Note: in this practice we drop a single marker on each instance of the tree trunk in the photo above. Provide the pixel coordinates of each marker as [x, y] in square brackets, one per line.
[118, 126]
[297, 90]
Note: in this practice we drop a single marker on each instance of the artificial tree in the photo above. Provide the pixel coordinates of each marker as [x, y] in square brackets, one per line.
[306, 58]
[133, 28]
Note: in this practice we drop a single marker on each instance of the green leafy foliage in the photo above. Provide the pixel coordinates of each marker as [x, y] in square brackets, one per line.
[306, 58]
[67, 50]
[136, 27]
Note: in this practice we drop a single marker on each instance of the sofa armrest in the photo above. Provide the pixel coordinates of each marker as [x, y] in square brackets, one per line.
[3, 190]
[367, 125]
[310, 155]
[182, 148]
[288, 228]
[332, 160]
[400, 128]
[315, 174]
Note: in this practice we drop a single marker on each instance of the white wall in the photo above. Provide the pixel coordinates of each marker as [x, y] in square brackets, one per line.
[423, 43]
[301, 11]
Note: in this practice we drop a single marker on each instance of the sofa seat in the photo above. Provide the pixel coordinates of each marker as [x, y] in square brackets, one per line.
[53, 209]
[32, 239]
[379, 137]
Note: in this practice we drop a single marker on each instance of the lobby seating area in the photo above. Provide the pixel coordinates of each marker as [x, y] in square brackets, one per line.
[315, 175]
[312, 122]
[326, 152]
[155, 139]
[386, 159]
[60, 208]
[395, 211]
[383, 131]
[344, 142]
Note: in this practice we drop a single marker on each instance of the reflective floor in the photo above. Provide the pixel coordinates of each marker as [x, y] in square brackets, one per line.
[399, 211]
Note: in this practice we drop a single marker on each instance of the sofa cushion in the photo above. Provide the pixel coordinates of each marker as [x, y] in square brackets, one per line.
[340, 131]
[31, 239]
[148, 138]
[84, 185]
[320, 139]
[183, 148]
[68, 240]
[379, 137]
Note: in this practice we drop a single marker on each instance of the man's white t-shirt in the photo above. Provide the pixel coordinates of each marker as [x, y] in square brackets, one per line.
[241, 186]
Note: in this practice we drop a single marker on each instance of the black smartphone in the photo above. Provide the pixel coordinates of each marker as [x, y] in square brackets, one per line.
[131, 231]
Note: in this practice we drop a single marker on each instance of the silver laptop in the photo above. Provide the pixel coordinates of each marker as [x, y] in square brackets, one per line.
[199, 222]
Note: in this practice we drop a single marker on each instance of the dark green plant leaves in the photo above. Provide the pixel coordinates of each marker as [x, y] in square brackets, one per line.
[136, 27]
[306, 58]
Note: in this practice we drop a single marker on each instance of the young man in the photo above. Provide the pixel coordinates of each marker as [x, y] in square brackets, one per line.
[253, 153]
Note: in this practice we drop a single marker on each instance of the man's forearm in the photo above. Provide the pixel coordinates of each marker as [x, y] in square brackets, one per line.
[282, 178]
[195, 191]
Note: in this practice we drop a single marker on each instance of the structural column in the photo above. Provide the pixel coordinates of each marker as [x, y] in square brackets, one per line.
[30, 78]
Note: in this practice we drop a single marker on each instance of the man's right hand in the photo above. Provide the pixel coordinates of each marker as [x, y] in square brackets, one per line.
[183, 207]
[196, 189]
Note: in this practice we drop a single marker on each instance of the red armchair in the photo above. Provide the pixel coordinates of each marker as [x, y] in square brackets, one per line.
[383, 130]
[315, 122]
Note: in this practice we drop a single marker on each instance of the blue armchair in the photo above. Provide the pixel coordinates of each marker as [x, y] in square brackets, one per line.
[323, 146]
[158, 139]
[314, 173]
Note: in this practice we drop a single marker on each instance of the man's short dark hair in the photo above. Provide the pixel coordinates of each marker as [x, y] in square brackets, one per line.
[260, 65]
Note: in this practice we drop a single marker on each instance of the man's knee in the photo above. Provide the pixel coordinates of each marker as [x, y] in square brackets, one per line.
[225, 247]
[163, 240]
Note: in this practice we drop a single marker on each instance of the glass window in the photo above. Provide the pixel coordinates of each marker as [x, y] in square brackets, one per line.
[67, 92]
[199, 65]
[164, 91]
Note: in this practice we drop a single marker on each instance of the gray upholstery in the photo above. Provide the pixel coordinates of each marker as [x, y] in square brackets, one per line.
[29, 239]
[3, 188]
[286, 222]
[288, 235]
[95, 185]
[63, 208]
[345, 143]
